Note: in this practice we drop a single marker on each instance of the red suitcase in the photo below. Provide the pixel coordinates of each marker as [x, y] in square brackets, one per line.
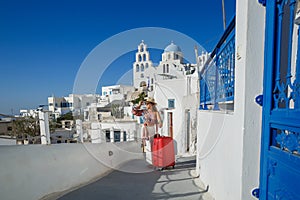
[163, 152]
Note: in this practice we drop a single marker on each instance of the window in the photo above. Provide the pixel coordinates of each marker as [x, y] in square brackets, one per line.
[171, 103]
[107, 135]
[167, 68]
[142, 75]
[139, 58]
[116, 91]
[67, 124]
[164, 68]
[142, 68]
[87, 103]
[147, 65]
[86, 114]
[125, 136]
[144, 57]
[117, 136]
[63, 104]
[137, 68]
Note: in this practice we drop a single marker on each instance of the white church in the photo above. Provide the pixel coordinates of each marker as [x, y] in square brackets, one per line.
[174, 86]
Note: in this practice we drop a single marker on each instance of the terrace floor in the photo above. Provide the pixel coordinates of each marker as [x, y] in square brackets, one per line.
[177, 183]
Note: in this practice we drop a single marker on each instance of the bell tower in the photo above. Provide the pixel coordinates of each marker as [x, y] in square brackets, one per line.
[141, 65]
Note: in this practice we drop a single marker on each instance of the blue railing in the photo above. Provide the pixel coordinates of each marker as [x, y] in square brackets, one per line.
[217, 74]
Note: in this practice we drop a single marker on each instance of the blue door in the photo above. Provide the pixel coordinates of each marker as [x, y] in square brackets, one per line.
[280, 151]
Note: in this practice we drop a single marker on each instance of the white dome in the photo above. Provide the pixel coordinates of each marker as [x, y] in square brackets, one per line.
[172, 48]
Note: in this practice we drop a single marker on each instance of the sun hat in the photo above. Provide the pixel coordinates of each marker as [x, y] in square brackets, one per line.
[150, 100]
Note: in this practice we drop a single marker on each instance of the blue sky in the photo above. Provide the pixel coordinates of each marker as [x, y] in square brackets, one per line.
[44, 43]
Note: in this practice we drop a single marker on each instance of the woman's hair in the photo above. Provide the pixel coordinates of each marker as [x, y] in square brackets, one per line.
[154, 108]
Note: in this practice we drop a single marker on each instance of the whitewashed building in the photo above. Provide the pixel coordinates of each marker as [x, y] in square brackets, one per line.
[112, 98]
[174, 85]
[117, 92]
[113, 130]
[109, 119]
[28, 113]
[75, 103]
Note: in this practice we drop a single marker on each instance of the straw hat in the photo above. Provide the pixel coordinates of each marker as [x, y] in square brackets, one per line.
[150, 100]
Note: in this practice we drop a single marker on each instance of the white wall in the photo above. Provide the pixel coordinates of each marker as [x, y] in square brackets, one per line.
[131, 127]
[172, 89]
[229, 143]
[177, 89]
[252, 58]
[33, 171]
[190, 103]
[219, 153]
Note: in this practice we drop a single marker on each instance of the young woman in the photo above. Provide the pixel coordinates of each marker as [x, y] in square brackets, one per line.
[152, 119]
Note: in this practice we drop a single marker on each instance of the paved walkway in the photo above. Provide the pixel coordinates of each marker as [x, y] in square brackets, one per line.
[171, 183]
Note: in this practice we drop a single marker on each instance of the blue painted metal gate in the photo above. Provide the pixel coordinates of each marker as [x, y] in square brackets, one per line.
[280, 152]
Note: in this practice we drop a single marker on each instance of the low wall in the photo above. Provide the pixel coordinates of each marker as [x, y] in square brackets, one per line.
[33, 171]
[7, 141]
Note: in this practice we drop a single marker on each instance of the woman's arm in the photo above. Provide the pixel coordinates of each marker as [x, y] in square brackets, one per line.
[159, 121]
[139, 105]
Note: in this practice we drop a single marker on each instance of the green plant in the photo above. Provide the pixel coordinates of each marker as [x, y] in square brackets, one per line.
[26, 126]
[141, 97]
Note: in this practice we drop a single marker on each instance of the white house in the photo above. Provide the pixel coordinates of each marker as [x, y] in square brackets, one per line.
[107, 120]
[113, 97]
[28, 113]
[113, 130]
[117, 92]
[75, 103]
